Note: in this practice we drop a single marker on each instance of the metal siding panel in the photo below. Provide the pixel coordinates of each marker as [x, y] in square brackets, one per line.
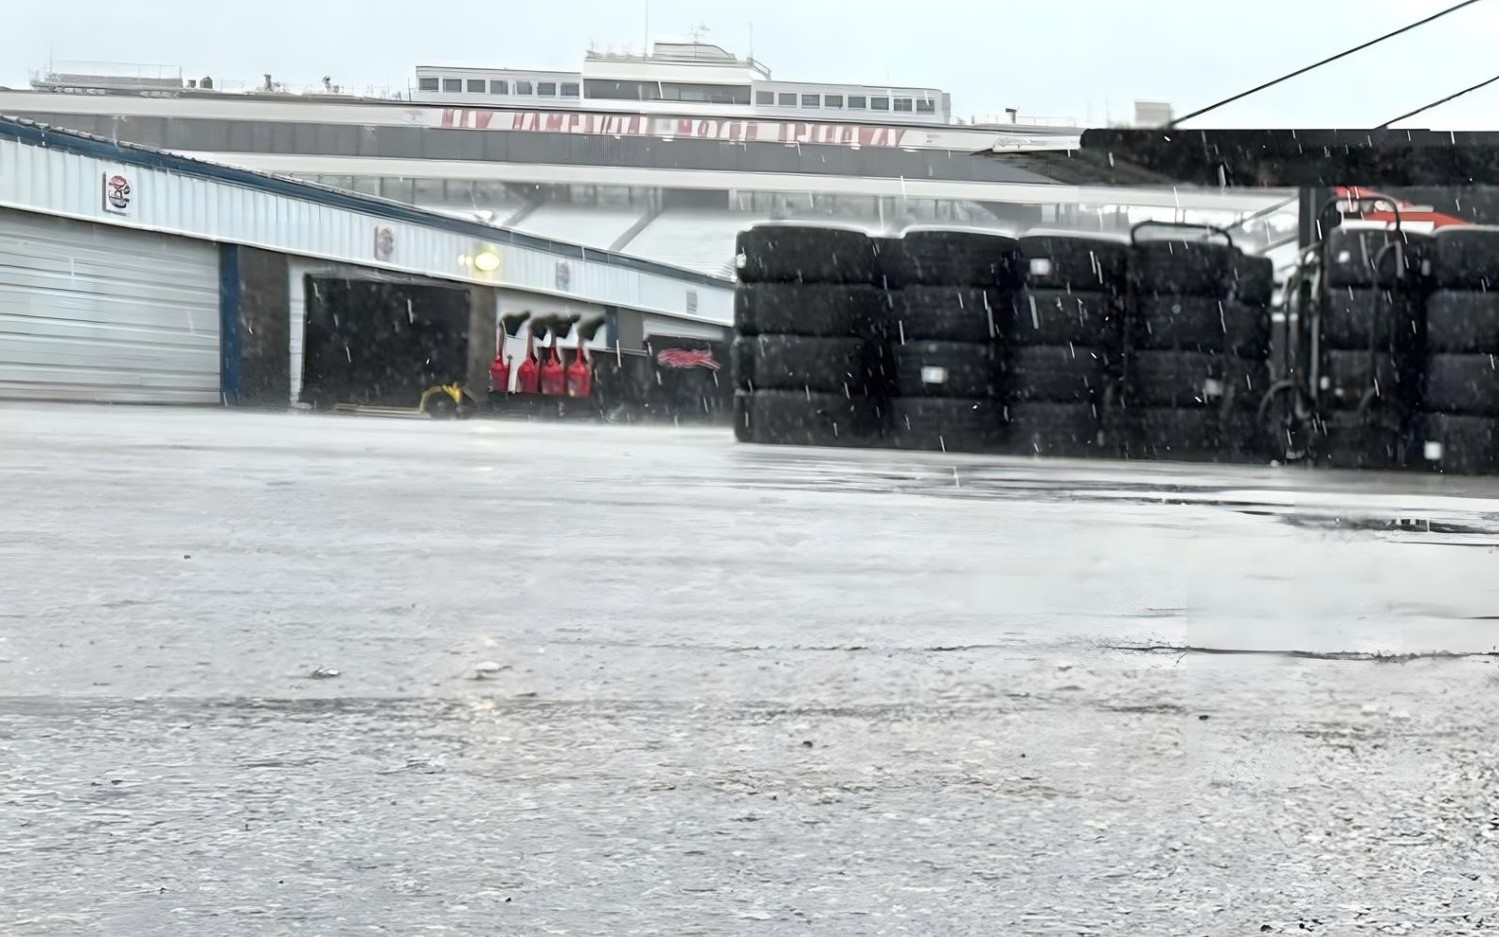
[265, 217]
[90, 312]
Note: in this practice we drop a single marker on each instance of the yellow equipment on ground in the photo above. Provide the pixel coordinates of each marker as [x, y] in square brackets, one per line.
[440, 401]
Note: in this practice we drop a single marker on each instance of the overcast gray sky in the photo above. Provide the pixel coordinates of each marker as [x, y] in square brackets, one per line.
[1080, 58]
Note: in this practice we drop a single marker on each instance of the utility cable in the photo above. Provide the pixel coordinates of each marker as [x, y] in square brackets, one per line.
[1341, 55]
[1426, 107]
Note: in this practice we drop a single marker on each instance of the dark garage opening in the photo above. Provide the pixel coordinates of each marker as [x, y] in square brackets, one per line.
[381, 342]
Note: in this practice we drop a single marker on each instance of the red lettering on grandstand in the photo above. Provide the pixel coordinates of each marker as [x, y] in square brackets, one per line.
[738, 131]
[843, 134]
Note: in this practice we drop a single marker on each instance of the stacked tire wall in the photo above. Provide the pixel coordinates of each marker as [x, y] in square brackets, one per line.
[1065, 344]
[1369, 347]
[1069, 344]
[1457, 428]
[1055, 344]
[1198, 340]
[807, 367]
[948, 295]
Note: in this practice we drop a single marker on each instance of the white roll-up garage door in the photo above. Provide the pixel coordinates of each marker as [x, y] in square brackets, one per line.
[96, 313]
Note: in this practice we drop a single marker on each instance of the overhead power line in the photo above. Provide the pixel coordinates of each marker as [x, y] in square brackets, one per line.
[1426, 107]
[1341, 55]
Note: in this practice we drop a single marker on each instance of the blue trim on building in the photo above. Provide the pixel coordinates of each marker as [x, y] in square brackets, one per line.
[86, 144]
[229, 348]
[611, 326]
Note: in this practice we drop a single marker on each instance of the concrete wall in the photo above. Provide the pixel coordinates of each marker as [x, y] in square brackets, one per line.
[483, 323]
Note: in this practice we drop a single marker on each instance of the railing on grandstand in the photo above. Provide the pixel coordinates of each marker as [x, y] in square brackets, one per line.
[1009, 119]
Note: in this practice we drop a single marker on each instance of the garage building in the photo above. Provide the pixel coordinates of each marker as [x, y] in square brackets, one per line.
[130, 275]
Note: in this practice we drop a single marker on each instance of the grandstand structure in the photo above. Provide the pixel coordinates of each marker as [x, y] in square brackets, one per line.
[665, 154]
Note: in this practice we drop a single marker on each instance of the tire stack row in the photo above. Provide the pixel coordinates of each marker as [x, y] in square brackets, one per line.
[1198, 340]
[1369, 347]
[1065, 343]
[949, 296]
[1458, 426]
[807, 367]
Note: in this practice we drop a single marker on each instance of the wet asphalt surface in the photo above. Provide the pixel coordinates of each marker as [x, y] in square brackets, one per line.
[730, 689]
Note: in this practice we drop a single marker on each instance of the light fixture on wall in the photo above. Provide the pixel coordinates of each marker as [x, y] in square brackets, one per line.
[487, 261]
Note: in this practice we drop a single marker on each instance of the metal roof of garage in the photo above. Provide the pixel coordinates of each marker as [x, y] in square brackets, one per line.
[84, 144]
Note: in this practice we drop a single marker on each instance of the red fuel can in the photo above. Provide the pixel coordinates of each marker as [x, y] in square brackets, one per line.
[528, 376]
[553, 377]
[499, 375]
[580, 376]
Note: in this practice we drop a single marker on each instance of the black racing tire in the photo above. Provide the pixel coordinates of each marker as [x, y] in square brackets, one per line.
[1058, 374]
[1356, 439]
[1373, 258]
[1465, 258]
[889, 272]
[1190, 435]
[1254, 280]
[741, 416]
[1194, 323]
[947, 314]
[1248, 382]
[943, 257]
[1191, 323]
[817, 365]
[1055, 430]
[1187, 380]
[1067, 262]
[799, 253]
[1455, 444]
[1177, 380]
[1466, 385]
[1348, 377]
[1248, 329]
[1062, 317]
[816, 311]
[798, 418]
[945, 424]
[945, 369]
[1462, 322]
[1357, 319]
[1183, 268]
[742, 362]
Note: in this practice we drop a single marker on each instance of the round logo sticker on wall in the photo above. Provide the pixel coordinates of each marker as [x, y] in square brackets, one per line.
[117, 193]
[385, 243]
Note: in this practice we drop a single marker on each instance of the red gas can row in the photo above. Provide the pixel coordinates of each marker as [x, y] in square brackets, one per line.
[549, 377]
[545, 373]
